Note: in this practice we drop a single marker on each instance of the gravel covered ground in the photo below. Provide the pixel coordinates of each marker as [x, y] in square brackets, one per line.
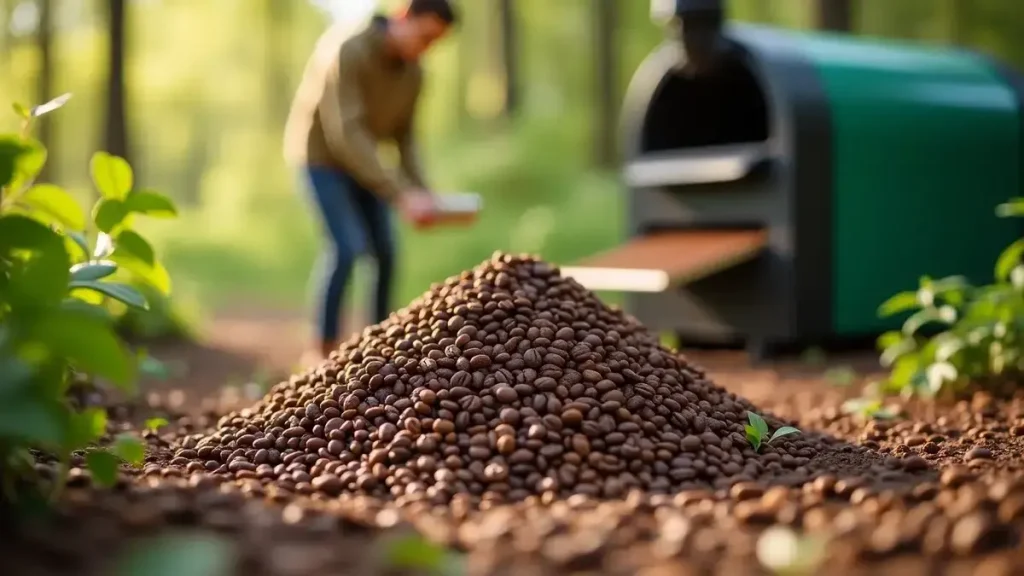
[511, 417]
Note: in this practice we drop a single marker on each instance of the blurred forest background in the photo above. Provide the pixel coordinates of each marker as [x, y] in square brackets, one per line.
[521, 107]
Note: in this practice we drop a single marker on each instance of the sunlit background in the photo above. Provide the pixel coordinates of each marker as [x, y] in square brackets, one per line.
[209, 83]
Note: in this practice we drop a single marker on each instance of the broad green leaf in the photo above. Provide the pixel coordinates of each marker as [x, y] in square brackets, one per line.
[151, 204]
[194, 554]
[109, 214]
[90, 297]
[92, 271]
[104, 467]
[1017, 276]
[413, 552]
[77, 306]
[86, 427]
[156, 423]
[926, 295]
[888, 339]
[27, 164]
[1014, 207]
[753, 436]
[18, 232]
[783, 431]
[940, 373]
[50, 106]
[55, 203]
[897, 350]
[22, 111]
[120, 292]
[15, 375]
[88, 342]
[43, 278]
[11, 148]
[131, 242]
[1009, 259]
[53, 379]
[129, 449]
[32, 419]
[947, 344]
[112, 176]
[950, 283]
[901, 302]
[952, 289]
[154, 275]
[758, 423]
[945, 315]
[903, 370]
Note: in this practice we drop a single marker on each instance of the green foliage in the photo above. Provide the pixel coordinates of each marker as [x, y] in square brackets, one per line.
[757, 431]
[61, 288]
[154, 424]
[956, 333]
[413, 552]
[178, 554]
[869, 408]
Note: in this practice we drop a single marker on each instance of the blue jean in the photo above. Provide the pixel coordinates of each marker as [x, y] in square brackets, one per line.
[357, 222]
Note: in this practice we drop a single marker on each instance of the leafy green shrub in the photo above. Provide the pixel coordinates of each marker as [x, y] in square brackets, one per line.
[956, 333]
[63, 281]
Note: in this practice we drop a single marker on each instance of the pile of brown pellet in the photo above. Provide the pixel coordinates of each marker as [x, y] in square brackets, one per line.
[504, 382]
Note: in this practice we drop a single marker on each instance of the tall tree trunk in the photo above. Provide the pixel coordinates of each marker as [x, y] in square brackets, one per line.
[44, 82]
[605, 42]
[834, 15]
[116, 133]
[510, 55]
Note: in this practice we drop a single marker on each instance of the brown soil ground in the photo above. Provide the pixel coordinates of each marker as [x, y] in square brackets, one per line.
[963, 513]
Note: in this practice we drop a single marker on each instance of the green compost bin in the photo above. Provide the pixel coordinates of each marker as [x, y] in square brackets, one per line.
[865, 163]
[925, 143]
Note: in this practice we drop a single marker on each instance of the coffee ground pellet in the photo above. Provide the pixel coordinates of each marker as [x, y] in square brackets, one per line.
[503, 382]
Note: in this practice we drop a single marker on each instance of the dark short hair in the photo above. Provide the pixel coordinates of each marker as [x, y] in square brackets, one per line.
[443, 9]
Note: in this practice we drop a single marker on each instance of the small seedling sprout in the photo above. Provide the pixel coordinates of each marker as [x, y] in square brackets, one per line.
[757, 431]
[155, 424]
[867, 408]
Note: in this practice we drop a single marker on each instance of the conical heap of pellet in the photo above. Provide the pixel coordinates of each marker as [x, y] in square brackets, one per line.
[505, 381]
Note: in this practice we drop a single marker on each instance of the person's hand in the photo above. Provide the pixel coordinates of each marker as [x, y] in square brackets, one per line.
[418, 206]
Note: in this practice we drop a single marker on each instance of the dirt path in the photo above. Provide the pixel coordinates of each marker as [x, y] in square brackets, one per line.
[239, 354]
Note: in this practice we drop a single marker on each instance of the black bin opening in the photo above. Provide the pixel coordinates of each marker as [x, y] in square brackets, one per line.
[721, 108]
